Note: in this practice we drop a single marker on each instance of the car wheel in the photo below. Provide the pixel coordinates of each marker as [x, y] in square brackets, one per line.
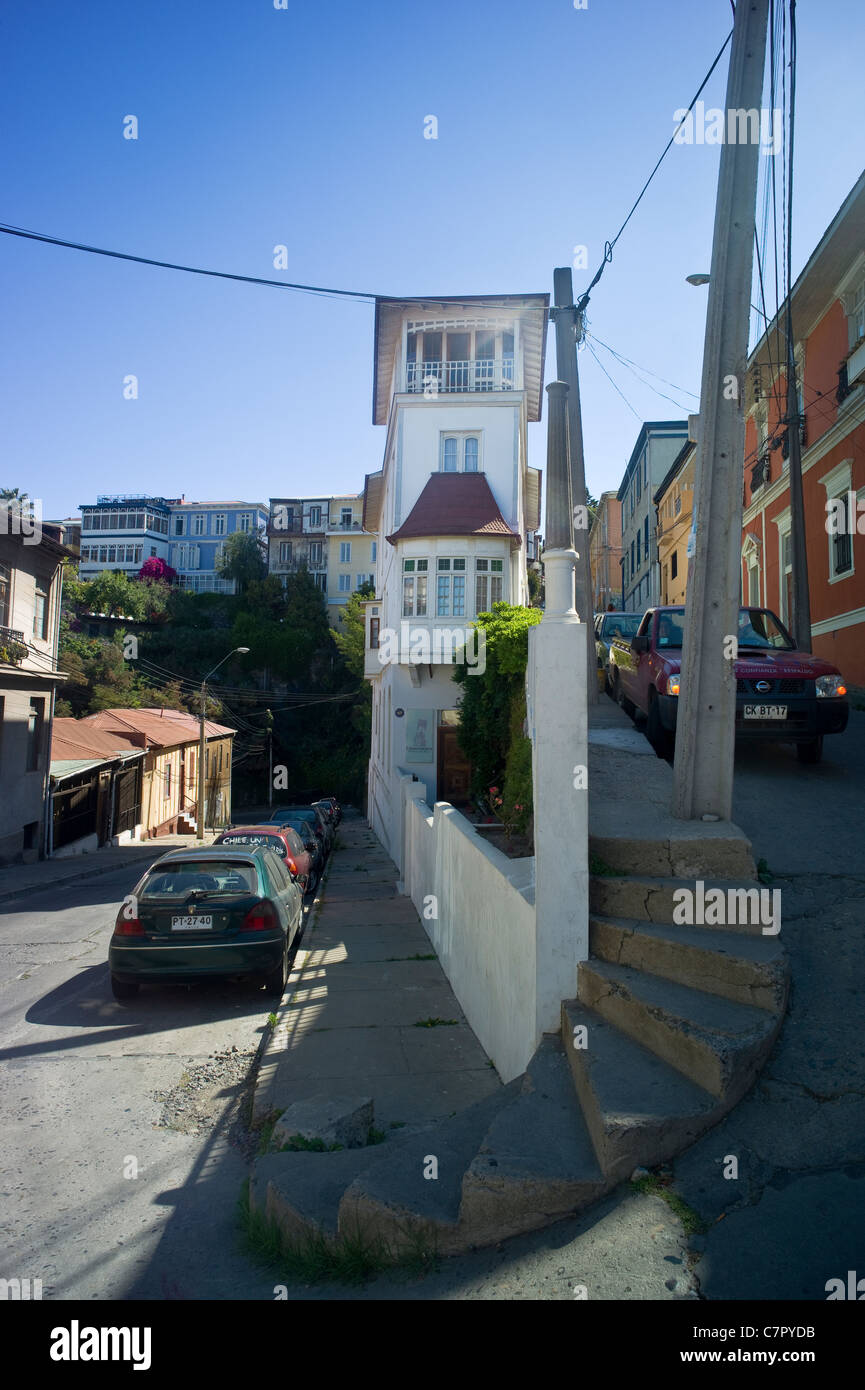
[811, 751]
[123, 989]
[275, 980]
[659, 737]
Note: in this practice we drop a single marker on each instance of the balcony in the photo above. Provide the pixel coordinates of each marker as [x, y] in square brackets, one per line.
[476, 374]
[760, 474]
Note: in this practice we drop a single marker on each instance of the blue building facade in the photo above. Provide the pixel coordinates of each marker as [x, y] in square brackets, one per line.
[122, 531]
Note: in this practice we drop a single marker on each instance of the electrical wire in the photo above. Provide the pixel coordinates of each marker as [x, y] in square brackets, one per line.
[8, 230]
[634, 372]
[612, 383]
[609, 245]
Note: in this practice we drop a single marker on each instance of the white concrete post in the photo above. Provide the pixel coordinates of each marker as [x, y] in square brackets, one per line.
[557, 705]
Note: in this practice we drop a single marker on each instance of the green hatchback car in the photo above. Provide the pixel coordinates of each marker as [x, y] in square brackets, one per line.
[205, 912]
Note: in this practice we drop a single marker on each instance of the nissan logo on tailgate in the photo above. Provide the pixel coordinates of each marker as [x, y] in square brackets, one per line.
[763, 687]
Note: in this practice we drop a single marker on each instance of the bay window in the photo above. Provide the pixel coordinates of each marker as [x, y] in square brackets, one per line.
[488, 584]
[415, 574]
[451, 588]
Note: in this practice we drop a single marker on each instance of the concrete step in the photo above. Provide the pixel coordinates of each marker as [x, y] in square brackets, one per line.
[648, 899]
[411, 1193]
[745, 968]
[650, 841]
[301, 1192]
[715, 1042]
[639, 1110]
[537, 1163]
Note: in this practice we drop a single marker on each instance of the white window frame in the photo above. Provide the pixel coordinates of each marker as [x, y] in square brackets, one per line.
[345, 552]
[450, 568]
[219, 521]
[344, 583]
[315, 517]
[485, 574]
[839, 484]
[783, 523]
[415, 599]
[460, 436]
[199, 524]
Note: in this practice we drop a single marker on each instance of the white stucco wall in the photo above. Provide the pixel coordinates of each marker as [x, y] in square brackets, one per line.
[484, 933]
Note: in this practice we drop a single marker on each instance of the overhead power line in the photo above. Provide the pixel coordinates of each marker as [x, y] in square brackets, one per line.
[9, 230]
[608, 246]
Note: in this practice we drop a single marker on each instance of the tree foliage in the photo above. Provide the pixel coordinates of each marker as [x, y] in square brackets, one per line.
[243, 559]
[488, 710]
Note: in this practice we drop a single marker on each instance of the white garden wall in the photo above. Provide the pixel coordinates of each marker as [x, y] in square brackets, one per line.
[484, 931]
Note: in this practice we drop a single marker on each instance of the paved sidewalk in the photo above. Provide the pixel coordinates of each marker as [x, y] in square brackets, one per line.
[19, 880]
[360, 987]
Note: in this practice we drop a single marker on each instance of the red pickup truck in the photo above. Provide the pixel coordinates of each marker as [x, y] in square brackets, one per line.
[781, 693]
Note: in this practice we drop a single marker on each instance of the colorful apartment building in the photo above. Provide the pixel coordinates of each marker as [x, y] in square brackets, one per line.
[605, 553]
[123, 531]
[828, 309]
[674, 510]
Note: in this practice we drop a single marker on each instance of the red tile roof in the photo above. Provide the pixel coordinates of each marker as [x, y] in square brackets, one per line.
[455, 504]
[162, 728]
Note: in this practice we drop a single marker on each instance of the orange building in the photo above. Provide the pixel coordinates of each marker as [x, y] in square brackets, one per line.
[605, 553]
[828, 307]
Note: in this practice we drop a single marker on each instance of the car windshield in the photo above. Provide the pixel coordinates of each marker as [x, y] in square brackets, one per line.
[254, 837]
[622, 625]
[760, 628]
[212, 877]
[671, 628]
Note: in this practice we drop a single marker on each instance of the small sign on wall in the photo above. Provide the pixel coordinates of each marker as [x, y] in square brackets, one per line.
[419, 733]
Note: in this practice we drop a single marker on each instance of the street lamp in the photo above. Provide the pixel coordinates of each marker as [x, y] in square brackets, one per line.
[697, 279]
[199, 834]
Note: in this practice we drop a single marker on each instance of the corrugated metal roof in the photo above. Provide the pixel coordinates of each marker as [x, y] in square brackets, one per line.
[163, 728]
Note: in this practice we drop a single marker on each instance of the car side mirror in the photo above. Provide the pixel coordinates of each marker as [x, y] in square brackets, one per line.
[639, 644]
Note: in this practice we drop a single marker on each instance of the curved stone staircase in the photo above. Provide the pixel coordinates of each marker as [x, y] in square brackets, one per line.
[676, 1023]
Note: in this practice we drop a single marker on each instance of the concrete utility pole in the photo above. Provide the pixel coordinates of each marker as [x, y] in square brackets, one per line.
[202, 793]
[564, 316]
[705, 736]
[801, 599]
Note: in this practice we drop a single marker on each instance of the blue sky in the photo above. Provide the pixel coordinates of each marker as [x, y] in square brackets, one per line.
[304, 127]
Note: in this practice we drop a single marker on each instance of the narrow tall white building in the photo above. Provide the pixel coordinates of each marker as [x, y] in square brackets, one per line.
[456, 383]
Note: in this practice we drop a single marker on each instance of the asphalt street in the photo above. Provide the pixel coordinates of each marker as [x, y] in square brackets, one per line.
[123, 1151]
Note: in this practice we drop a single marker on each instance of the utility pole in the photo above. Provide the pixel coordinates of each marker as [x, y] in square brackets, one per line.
[705, 735]
[801, 601]
[268, 724]
[199, 831]
[199, 834]
[568, 331]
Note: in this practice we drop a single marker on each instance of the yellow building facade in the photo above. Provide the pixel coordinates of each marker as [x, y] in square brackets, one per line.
[674, 503]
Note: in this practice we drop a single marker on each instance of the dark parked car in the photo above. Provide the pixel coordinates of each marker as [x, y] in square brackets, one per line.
[312, 837]
[609, 626]
[206, 912]
[336, 806]
[287, 843]
[316, 817]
